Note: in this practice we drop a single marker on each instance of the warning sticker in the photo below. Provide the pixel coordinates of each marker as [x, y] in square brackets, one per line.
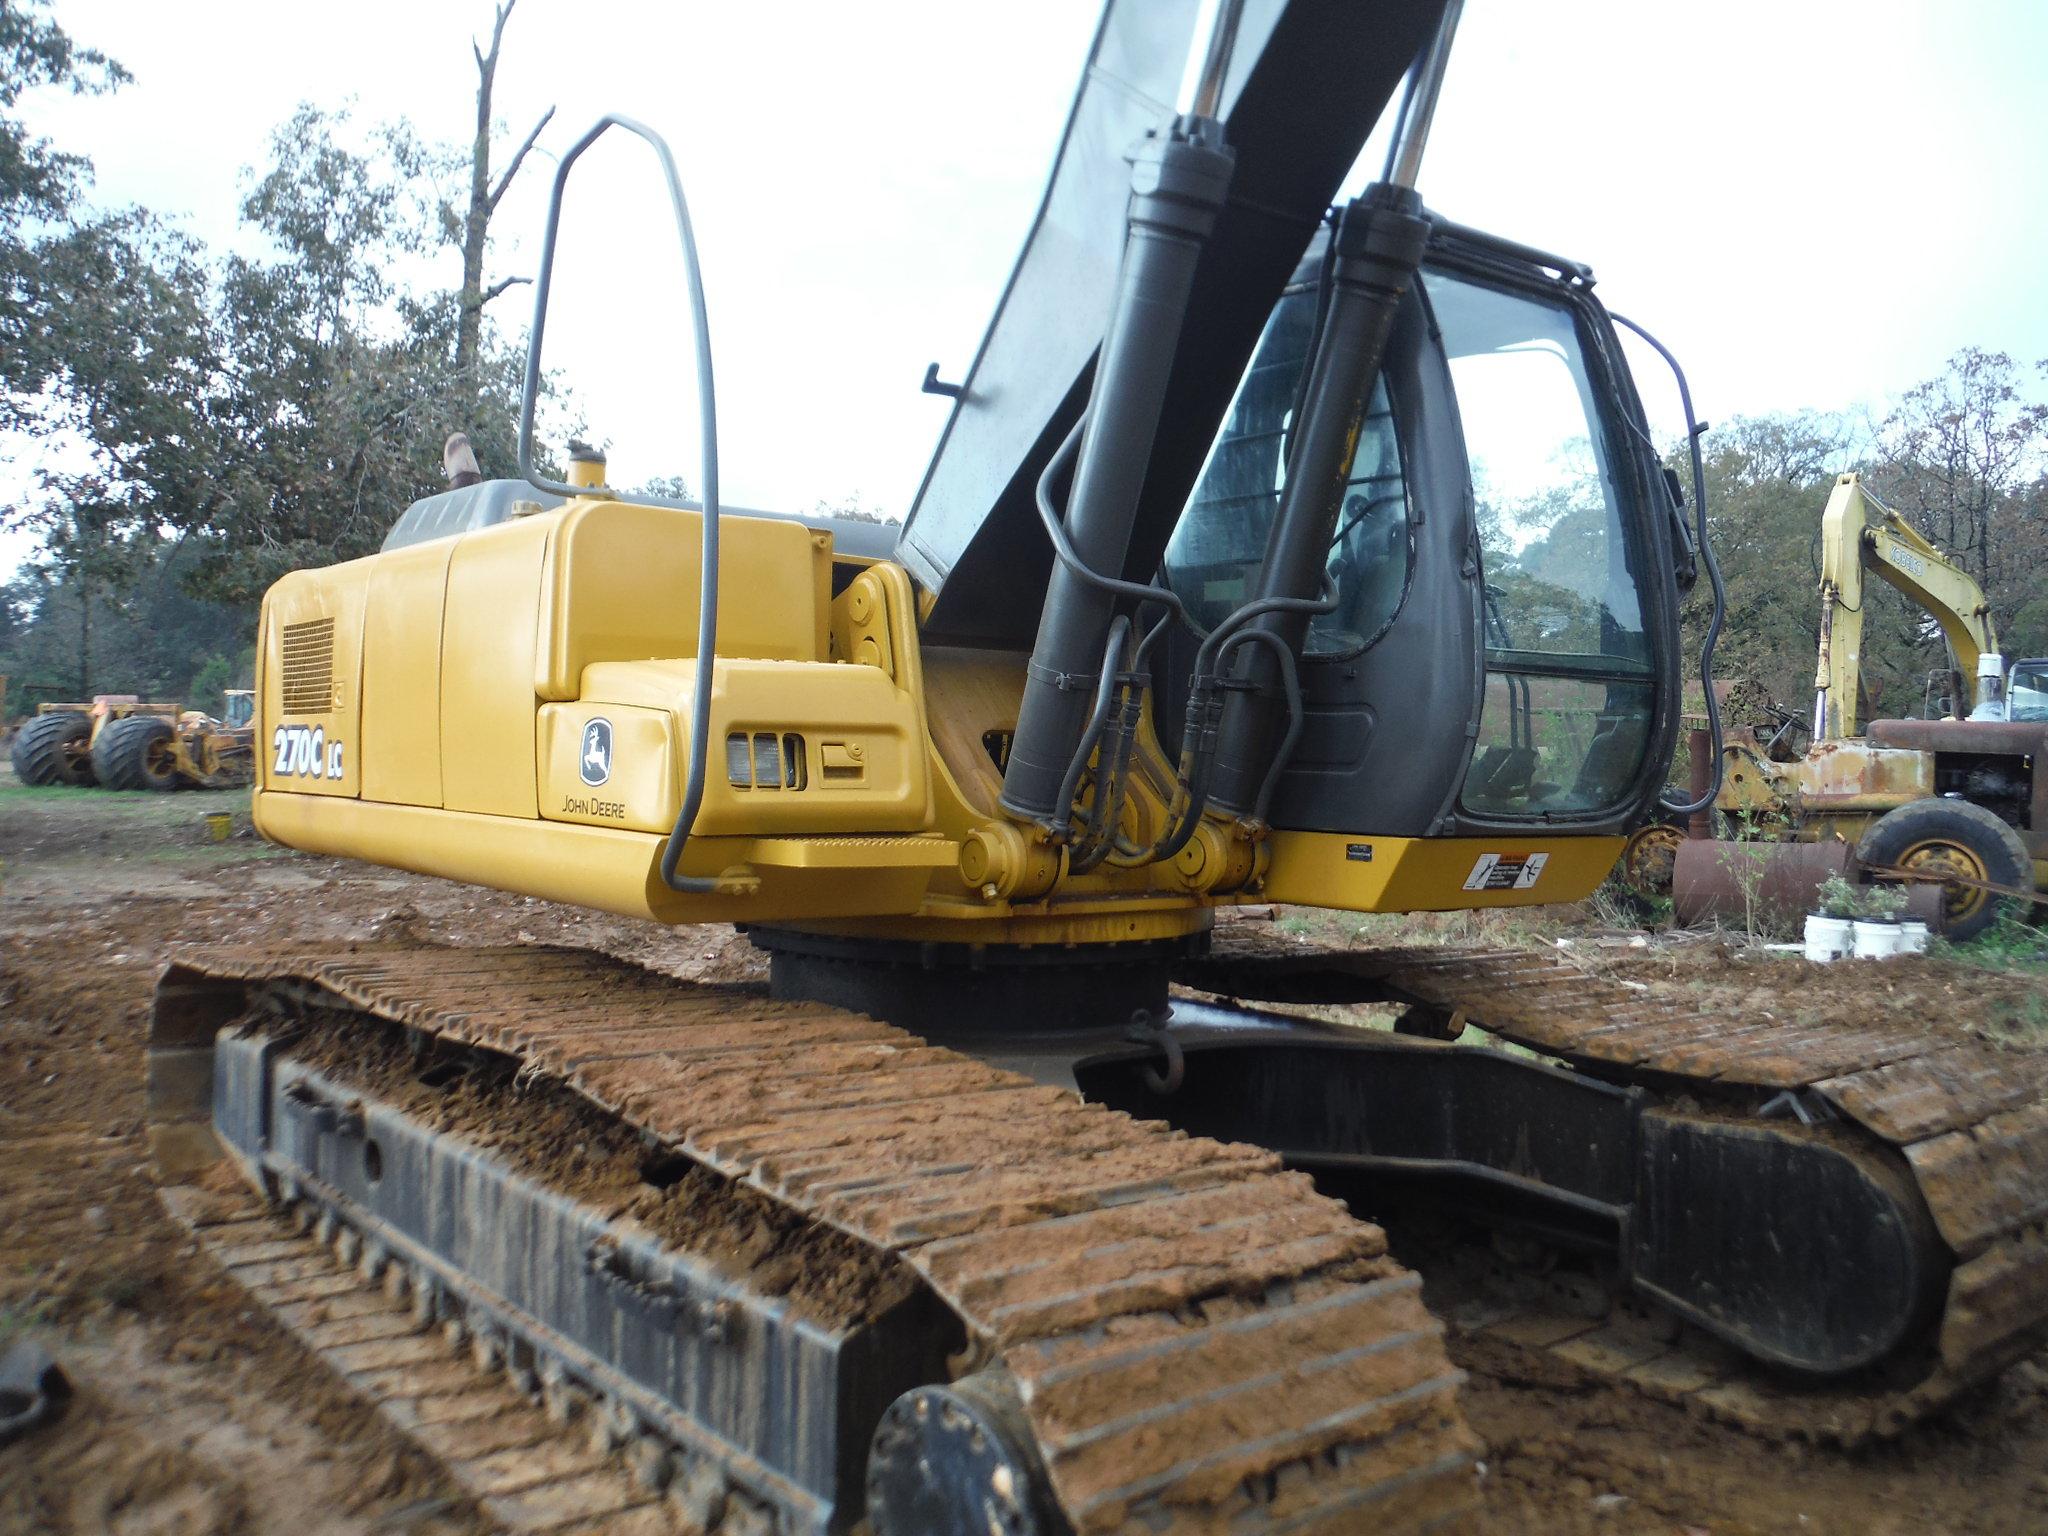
[1506, 871]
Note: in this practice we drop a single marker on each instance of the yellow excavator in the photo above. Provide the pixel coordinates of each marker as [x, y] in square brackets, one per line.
[1859, 533]
[1245, 570]
[1960, 797]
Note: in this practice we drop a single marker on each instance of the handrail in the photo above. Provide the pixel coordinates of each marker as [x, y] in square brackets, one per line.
[707, 430]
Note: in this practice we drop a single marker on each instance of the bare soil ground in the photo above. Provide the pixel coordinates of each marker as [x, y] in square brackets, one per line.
[196, 1415]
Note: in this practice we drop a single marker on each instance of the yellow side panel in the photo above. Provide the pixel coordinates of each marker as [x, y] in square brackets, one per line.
[402, 675]
[627, 777]
[603, 868]
[621, 584]
[487, 649]
[1408, 874]
[308, 740]
[864, 765]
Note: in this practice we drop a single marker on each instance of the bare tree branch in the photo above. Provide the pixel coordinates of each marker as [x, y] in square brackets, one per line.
[499, 287]
[518, 155]
[504, 14]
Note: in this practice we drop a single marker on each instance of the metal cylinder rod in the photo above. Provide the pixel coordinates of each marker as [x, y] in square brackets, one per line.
[1700, 782]
[1824, 670]
[1418, 106]
[1201, 87]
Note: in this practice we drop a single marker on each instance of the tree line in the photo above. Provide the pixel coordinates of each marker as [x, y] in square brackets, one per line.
[184, 426]
[1962, 456]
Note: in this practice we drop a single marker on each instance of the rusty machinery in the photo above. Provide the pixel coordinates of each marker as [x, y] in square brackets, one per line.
[118, 741]
[1958, 803]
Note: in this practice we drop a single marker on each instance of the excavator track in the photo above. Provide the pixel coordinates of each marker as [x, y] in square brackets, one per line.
[1966, 1121]
[1195, 1339]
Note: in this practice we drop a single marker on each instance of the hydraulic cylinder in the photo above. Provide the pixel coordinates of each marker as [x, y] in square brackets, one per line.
[1379, 245]
[1178, 182]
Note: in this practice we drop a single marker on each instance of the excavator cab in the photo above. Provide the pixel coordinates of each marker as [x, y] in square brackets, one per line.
[2026, 691]
[1497, 655]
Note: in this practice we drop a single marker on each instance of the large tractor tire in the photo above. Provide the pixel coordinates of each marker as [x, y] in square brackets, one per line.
[138, 752]
[1650, 857]
[1953, 837]
[51, 749]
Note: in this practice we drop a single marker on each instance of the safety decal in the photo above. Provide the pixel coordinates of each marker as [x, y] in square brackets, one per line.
[1505, 871]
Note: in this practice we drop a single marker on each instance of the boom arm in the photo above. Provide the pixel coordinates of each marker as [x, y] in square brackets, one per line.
[1857, 532]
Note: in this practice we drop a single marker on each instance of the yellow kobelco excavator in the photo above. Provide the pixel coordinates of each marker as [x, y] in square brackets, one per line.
[1245, 569]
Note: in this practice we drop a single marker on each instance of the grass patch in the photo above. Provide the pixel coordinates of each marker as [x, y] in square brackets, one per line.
[1494, 927]
[122, 1288]
[2010, 944]
[12, 793]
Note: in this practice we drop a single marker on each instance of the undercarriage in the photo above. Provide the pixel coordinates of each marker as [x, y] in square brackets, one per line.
[862, 1273]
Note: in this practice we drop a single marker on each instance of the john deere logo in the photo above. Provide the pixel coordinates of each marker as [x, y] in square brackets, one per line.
[597, 752]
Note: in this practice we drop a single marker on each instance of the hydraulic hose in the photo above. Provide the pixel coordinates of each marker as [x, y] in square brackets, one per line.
[1063, 547]
[1693, 432]
[1098, 717]
[1199, 741]
[707, 439]
[1290, 682]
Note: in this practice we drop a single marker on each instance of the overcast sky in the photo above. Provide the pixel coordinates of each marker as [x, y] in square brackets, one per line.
[1814, 202]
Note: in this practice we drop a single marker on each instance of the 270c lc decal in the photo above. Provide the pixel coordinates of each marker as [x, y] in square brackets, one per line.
[304, 752]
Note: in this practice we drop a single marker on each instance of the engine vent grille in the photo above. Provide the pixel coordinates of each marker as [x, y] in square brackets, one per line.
[308, 667]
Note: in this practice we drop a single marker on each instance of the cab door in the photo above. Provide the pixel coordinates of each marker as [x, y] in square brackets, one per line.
[1503, 648]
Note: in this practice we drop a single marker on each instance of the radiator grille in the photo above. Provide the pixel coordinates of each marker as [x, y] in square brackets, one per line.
[308, 667]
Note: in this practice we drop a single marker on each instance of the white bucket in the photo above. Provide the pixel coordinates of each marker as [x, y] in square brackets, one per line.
[1912, 937]
[1828, 938]
[1874, 941]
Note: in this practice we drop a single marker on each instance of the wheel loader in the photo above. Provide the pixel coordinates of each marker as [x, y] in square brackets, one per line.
[1241, 574]
[118, 741]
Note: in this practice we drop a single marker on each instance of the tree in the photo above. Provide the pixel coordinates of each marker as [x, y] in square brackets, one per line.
[484, 197]
[151, 637]
[340, 385]
[1767, 480]
[1958, 454]
[104, 351]
[1964, 456]
[850, 507]
[209, 424]
[39, 187]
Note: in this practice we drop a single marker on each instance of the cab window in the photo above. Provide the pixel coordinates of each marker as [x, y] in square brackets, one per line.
[1218, 547]
[1565, 718]
[2027, 691]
